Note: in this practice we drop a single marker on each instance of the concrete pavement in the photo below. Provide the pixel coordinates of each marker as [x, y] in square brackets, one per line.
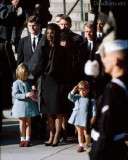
[10, 149]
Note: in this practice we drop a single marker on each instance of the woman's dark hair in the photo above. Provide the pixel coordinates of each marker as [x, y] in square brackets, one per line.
[65, 35]
[56, 29]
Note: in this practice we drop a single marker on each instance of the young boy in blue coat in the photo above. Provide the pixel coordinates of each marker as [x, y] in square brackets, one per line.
[80, 111]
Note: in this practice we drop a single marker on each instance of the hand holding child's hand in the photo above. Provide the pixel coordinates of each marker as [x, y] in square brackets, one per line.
[92, 120]
[29, 94]
[74, 89]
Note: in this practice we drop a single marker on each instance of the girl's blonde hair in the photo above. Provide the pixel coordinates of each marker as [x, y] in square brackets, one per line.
[84, 84]
[21, 69]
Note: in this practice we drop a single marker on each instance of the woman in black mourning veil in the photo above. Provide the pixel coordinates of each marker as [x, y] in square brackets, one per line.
[48, 64]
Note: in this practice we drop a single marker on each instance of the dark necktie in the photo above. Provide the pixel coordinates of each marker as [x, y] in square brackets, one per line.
[99, 36]
[34, 43]
[90, 46]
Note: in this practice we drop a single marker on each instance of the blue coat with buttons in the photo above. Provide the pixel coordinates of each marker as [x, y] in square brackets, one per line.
[23, 107]
[80, 111]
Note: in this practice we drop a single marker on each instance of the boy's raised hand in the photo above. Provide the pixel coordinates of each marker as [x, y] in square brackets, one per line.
[74, 89]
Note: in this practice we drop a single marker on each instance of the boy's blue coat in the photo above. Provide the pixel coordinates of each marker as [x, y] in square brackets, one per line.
[80, 111]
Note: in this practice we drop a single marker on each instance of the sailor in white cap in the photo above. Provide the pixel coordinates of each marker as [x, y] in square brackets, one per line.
[111, 123]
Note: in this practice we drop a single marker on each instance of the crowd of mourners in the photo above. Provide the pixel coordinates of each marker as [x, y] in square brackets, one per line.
[55, 95]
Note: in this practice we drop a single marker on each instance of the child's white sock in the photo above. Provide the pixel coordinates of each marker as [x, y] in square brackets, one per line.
[81, 144]
[22, 138]
[27, 138]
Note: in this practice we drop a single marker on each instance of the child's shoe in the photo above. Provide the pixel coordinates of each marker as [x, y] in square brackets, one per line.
[22, 143]
[27, 144]
[80, 149]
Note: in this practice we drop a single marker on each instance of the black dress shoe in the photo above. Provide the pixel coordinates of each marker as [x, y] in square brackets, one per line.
[48, 144]
[54, 144]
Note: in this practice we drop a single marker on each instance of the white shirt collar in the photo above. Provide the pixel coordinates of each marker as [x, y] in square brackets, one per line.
[90, 41]
[36, 36]
[36, 40]
[91, 44]
[99, 33]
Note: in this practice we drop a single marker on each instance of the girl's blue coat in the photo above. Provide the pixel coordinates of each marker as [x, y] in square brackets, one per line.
[80, 111]
[23, 107]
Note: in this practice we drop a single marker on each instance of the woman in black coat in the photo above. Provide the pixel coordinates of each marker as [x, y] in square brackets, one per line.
[71, 78]
[48, 64]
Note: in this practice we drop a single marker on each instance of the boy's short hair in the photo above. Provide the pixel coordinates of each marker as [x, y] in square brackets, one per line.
[21, 69]
[32, 19]
[83, 84]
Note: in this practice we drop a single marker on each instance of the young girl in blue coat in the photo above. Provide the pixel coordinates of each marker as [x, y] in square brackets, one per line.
[24, 107]
[80, 111]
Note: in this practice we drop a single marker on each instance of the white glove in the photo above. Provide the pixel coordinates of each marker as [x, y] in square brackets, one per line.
[19, 11]
[91, 68]
[37, 6]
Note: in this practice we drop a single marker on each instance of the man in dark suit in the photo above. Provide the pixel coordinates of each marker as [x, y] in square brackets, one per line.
[66, 23]
[27, 45]
[7, 60]
[86, 48]
[26, 49]
[100, 25]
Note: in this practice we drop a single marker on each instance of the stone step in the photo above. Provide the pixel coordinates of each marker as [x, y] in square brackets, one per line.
[68, 1]
[58, 7]
[77, 16]
[7, 114]
[77, 25]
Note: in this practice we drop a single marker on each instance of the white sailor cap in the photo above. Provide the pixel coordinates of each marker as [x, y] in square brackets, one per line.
[115, 45]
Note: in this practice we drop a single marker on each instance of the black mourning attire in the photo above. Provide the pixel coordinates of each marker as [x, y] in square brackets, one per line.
[71, 73]
[50, 81]
[76, 39]
[84, 55]
[48, 64]
[7, 60]
[25, 49]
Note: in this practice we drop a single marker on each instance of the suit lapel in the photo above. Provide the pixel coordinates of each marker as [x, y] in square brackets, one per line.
[29, 44]
[39, 38]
